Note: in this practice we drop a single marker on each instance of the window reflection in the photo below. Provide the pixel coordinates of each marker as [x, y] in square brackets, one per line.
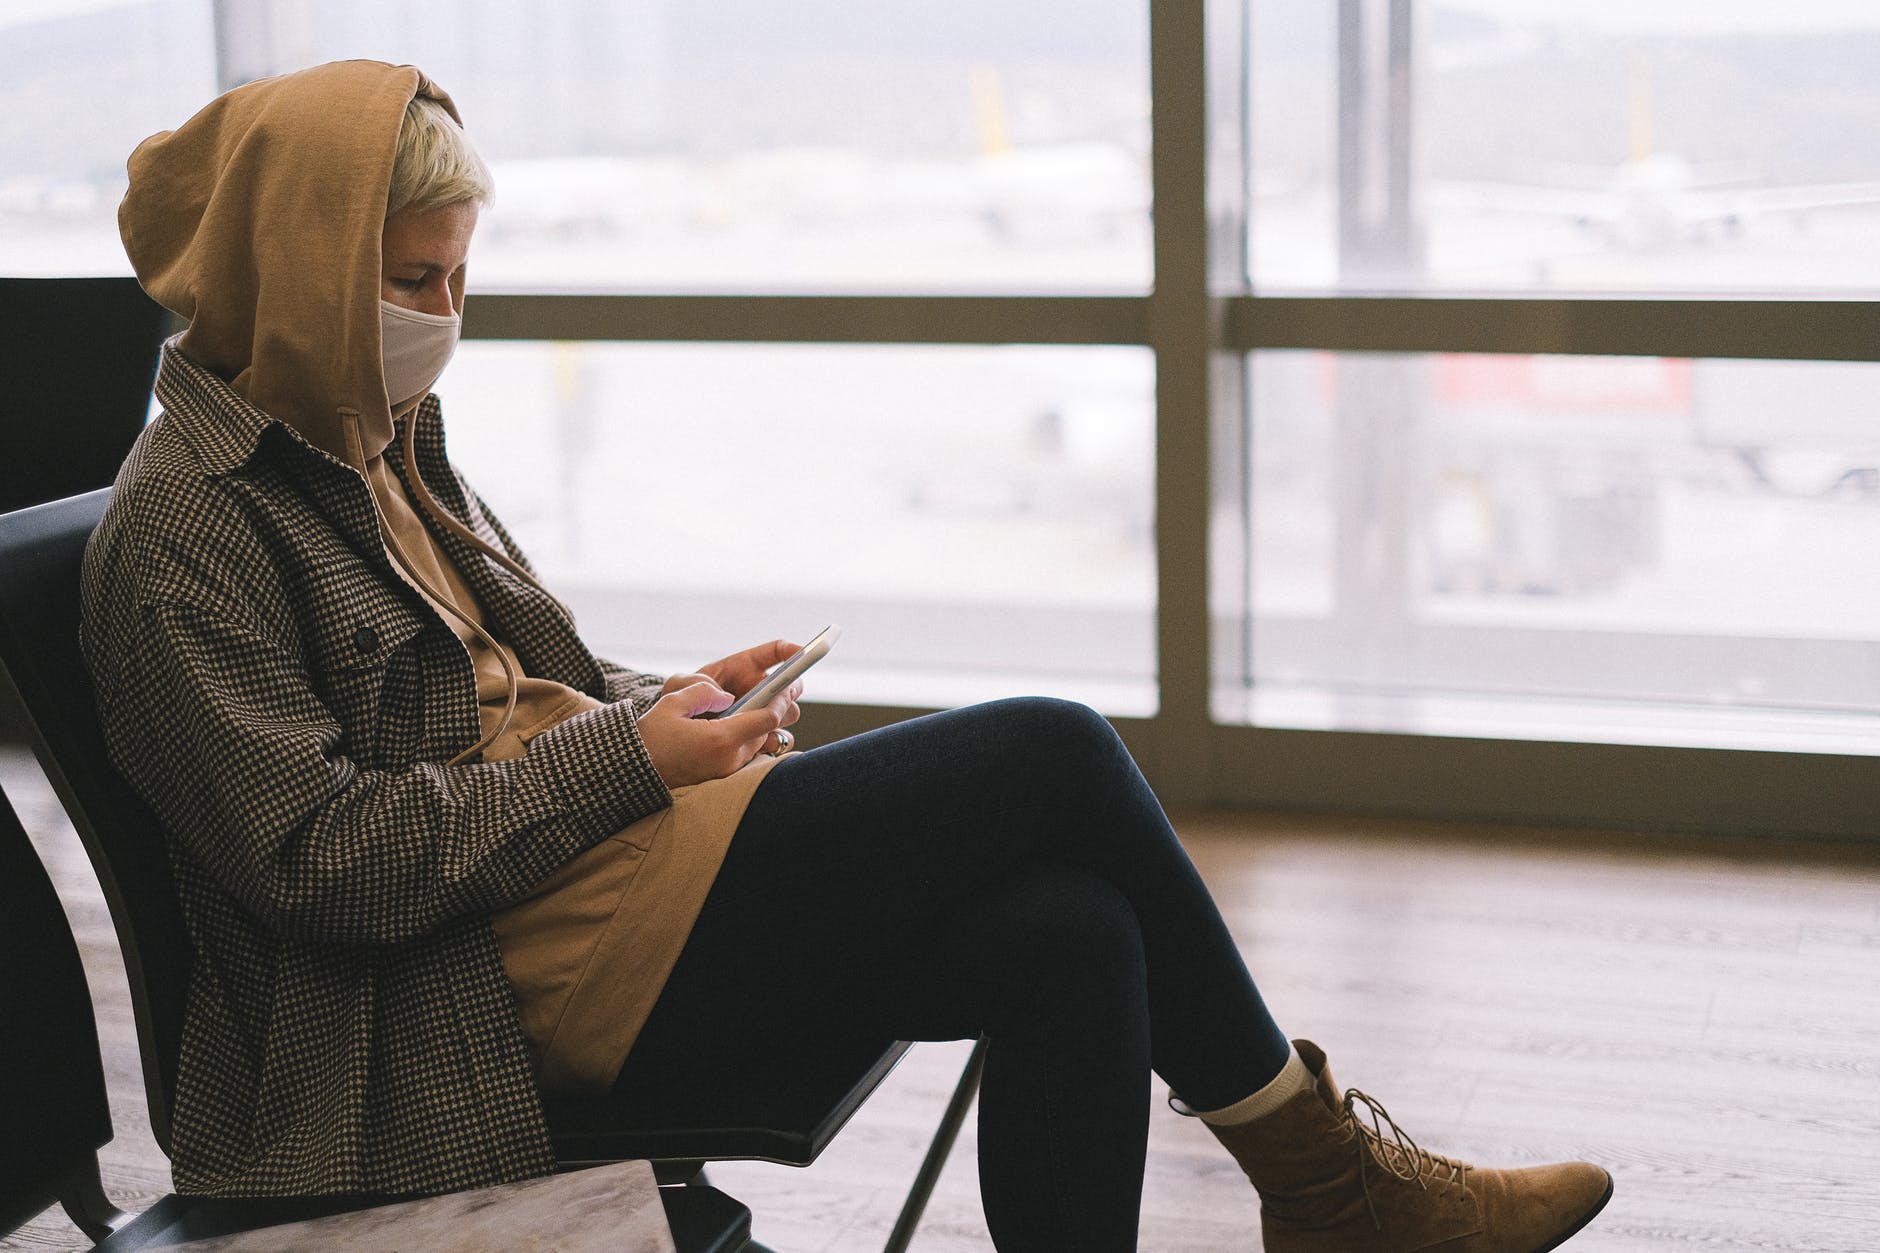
[1554, 145]
[1612, 529]
[978, 519]
[751, 145]
[82, 82]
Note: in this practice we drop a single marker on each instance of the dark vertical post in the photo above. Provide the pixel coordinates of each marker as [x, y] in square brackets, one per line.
[1182, 333]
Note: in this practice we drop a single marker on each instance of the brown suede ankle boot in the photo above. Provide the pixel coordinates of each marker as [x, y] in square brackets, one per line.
[1333, 1181]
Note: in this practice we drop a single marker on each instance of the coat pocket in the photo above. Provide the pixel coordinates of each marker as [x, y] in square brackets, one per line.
[358, 625]
[357, 633]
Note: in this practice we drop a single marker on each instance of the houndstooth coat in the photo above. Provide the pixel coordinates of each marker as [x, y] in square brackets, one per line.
[279, 696]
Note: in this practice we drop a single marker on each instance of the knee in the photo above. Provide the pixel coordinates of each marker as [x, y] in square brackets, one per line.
[1067, 718]
[1060, 732]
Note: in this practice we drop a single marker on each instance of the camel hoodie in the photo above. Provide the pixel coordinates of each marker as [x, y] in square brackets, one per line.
[260, 221]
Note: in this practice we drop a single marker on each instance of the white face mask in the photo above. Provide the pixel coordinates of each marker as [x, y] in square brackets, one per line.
[417, 347]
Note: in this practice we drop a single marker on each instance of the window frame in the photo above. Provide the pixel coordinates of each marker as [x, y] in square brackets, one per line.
[1200, 319]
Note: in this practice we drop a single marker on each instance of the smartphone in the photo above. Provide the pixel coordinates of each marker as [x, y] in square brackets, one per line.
[785, 672]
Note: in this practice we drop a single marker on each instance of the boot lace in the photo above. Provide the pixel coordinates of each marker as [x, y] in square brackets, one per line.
[1393, 1150]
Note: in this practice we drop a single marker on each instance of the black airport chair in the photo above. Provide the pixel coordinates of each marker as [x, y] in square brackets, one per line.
[69, 413]
[54, 1104]
[786, 1110]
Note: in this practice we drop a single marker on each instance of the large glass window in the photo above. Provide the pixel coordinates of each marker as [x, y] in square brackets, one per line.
[750, 145]
[82, 82]
[1568, 145]
[977, 519]
[1610, 548]
[1428, 514]
[1512, 543]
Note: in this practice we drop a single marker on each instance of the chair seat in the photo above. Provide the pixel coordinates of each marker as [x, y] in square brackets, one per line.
[785, 1108]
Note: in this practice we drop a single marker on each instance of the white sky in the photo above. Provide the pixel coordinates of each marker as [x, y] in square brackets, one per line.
[26, 12]
[1694, 16]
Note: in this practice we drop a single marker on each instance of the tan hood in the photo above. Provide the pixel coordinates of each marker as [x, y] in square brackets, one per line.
[259, 221]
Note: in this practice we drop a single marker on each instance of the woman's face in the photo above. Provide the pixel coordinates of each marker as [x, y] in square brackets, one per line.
[422, 249]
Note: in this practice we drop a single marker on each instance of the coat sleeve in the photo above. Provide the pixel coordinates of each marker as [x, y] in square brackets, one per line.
[638, 689]
[223, 732]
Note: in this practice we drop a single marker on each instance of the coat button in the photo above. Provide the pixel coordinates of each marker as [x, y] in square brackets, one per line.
[366, 640]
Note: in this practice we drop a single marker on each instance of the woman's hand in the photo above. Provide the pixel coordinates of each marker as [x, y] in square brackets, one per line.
[688, 749]
[738, 673]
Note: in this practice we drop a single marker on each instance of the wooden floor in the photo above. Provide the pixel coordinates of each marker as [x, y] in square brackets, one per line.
[1703, 1018]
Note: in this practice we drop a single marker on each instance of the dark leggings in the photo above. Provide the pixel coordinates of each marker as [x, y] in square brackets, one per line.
[1001, 870]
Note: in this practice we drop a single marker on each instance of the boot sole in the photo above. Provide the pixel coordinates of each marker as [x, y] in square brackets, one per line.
[1586, 1218]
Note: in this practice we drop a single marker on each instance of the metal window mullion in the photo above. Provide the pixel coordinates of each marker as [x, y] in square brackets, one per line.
[1183, 331]
[808, 319]
[1794, 330]
[1638, 786]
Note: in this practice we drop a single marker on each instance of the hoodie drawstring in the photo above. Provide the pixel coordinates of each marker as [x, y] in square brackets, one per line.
[439, 515]
[349, 422]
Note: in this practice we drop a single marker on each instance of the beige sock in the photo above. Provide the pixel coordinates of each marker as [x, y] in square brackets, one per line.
[1292, 1079]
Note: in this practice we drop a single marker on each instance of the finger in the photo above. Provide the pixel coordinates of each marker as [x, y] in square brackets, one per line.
[753, 722]
[743, 671]
[785, 704]
[754, 729]
[703, 697]
[781, 703]
[676, 682]
[770, 654]
[756, 662]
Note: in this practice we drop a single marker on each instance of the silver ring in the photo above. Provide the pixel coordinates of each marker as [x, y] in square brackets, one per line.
[784, 740]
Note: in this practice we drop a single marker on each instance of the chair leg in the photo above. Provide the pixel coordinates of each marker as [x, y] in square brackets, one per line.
[81, 1192]
[937, 1152]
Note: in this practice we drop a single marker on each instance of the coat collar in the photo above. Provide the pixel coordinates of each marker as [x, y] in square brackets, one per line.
[224, 428]
[214, 419]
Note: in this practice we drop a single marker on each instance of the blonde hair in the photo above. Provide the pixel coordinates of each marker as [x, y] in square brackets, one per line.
[435, 164]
